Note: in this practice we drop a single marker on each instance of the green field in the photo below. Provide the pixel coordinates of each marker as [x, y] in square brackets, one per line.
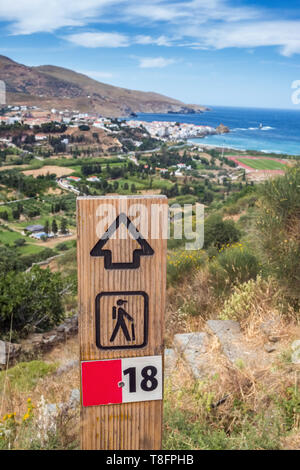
[262, 164]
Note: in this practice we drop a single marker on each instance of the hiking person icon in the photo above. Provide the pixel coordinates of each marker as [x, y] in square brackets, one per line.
[119, 314]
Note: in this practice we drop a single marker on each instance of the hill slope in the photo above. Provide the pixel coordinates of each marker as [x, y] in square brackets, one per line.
[49, 86]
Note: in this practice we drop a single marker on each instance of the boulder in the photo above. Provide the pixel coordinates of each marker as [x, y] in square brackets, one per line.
[170, 361]
[63, 369]
[233, 344]
[193, 348]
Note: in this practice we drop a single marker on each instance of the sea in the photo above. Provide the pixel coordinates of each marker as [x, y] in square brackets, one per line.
[265, 130]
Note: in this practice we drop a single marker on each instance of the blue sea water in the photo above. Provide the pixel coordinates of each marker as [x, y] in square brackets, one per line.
[280, 132]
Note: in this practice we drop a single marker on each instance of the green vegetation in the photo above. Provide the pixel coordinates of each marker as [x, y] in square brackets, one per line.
[219, 232]
[30, 301]
[263, 164]
[191, 423]
[278, 230]
[233, 265]
[247, 271]
[25, 375]
[181, 263]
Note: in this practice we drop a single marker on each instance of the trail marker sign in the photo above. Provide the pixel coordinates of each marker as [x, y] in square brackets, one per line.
[122, 283]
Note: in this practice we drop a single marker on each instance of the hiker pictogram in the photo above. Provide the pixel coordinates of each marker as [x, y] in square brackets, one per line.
[119, 314]
[122, 320]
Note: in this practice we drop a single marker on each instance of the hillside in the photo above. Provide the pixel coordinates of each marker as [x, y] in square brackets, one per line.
[231, 331]
[49, 86]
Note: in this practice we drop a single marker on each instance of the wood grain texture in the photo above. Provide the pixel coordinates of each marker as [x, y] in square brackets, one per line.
[132, 425]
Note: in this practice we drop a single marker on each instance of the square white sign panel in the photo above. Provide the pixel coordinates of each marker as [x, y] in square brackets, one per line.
[142, 378]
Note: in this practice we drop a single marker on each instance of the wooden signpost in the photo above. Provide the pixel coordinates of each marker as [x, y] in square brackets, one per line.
[122, 282]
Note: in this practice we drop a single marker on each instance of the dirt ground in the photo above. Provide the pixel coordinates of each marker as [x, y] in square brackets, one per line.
[53, 242]
[150, 191]
[12, 167]
[58, 170]
[55, 191]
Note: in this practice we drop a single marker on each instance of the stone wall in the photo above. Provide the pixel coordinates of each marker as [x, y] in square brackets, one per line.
[37, 343]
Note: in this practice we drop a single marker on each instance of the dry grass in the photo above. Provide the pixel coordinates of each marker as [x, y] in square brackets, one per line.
[190, 304]
[59, 171]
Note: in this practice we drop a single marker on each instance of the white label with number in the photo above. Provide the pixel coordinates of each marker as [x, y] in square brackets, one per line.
[142, 379]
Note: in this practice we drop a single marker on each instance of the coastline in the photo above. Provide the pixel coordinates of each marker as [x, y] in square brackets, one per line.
[280, 134]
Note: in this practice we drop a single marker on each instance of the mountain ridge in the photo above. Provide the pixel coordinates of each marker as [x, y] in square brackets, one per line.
[50, 86]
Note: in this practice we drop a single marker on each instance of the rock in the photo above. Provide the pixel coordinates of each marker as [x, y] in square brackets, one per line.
[170, 361]
[269, 348]
[2, 353]
[221, 129]
[274, 339]
[269, 328]
[186, 341]
[67, 367]
[61, 328]
[52, 408]
[74, 399]
[193, 347]
[8, 351]
[296, 345]
[36, 338]
[296, 357]
[233, 344]
[50, 340]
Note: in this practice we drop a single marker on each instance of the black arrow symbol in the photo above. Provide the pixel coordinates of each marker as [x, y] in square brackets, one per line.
[145, 249]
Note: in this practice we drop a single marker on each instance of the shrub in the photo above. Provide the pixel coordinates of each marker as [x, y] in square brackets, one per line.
[289, 406]
[181, 263]
[20, 242]
[278, 229]
[32, 300]
[219, 232]
[255, 298]
[62, 247]
[232, 266]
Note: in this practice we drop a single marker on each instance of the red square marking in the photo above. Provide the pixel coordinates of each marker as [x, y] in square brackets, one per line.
[100, 381]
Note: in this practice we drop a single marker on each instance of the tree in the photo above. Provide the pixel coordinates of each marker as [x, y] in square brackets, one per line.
[34, 299]
[133, 189]
[19, 242]
[16, 214]
[64, 226]
[4, 215]
[47, 227]
[54, 227]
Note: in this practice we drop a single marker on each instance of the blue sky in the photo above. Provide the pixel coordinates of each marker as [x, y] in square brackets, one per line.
[213, 52]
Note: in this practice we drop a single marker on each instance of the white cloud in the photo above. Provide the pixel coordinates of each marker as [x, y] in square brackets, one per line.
[148, 40]
[203, 24]
[32, 16]
[99, 39]
[194, 11]
[283, 34]
[155, 62]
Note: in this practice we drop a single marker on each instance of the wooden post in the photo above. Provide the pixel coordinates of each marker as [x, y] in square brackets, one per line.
[122, 284]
